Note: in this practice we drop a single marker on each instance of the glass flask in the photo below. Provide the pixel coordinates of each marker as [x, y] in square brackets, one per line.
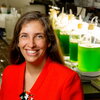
[89, 50]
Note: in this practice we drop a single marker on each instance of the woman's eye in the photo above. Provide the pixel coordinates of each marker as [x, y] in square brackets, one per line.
[22, 36]
[40, 36]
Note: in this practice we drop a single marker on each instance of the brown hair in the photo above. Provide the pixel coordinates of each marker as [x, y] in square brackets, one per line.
[54, 51]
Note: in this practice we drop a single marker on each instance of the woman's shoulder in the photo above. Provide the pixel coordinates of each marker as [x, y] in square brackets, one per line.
[62, 69]
[62, 73]
[14, 67]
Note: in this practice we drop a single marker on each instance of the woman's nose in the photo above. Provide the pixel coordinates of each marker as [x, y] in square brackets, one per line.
[31, 42]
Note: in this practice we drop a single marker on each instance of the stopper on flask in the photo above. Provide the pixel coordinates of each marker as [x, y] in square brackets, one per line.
[91, 27]
[70, 16]
[80, 26]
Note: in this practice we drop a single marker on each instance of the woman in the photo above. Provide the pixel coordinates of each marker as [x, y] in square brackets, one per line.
[37, 70]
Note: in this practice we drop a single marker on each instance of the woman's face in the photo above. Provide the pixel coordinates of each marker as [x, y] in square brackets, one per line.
[32, 42]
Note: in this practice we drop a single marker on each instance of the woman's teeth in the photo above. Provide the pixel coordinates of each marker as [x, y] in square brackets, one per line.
[29, 51]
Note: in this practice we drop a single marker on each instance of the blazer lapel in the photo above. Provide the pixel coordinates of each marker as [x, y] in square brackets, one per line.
[21, 74]
[41, 78]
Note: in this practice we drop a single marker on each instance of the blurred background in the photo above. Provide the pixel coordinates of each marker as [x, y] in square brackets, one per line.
[75, 17]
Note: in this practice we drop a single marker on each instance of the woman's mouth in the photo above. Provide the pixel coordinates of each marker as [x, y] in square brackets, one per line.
[32, 52]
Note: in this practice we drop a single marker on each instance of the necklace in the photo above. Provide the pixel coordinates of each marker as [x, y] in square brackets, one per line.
[26, 96]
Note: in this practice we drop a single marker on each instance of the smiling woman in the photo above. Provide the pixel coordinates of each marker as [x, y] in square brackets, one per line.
[32, 42]
[37, 70]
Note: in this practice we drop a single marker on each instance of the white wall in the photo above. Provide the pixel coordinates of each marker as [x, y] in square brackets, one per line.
[23, 5]
[18, 3]
[15, 3]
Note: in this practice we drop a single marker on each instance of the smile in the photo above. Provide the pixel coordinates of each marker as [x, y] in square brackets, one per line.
[31, 52]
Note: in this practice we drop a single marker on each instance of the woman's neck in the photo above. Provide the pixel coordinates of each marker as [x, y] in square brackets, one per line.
[35, 68]
[32, 72]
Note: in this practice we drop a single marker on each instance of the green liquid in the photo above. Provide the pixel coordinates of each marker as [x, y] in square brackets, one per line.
[64, 42]
[73, 51]
[89, 59]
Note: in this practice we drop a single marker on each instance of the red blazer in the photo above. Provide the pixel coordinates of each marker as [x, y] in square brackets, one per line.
[56, 82]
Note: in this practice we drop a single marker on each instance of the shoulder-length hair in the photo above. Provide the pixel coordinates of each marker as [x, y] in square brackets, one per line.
[54, 51]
